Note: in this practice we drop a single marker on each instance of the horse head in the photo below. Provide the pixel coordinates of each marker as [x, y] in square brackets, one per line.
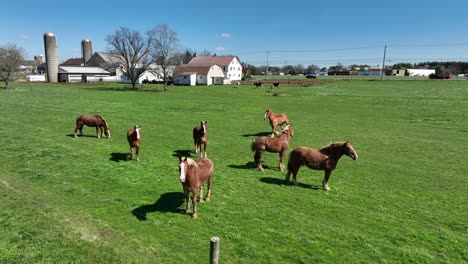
[288, 130]
[267, 114]
[349, 151]
[204, 126]
[184, 163]
[137, 129]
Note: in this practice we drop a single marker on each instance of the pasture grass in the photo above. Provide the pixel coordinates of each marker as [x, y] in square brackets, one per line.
[66, 200]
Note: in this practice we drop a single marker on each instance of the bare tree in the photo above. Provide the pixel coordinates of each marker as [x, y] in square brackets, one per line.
[133, 50]
[165, 49]
[11, 58]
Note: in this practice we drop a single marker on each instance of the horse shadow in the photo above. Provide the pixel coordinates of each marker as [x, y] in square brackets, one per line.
[249, 165]
[167, 203]
[260, 134]
[73, 135]
[277, 181]
[118, 157]
[182, 153]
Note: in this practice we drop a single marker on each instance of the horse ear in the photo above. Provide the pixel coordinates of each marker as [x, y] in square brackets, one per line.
[347, 141]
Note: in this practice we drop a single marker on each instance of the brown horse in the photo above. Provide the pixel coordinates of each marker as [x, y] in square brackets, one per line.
[275, 120]
[134, 140]
[200, 138]
[193, 175]
[92, 121]
[319, 159]
[279, 145]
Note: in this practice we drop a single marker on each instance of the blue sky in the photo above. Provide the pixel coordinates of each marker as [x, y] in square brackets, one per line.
[293, 32]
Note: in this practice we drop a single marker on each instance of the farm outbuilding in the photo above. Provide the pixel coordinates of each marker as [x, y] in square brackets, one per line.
[230, 65]
[81, 74]
[187, 74]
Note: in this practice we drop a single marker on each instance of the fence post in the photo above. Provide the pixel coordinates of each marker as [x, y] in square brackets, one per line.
[214, 250]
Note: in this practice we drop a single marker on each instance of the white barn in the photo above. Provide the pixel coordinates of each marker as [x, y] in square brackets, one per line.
[81, 74]
[230, 65]
[187, 74]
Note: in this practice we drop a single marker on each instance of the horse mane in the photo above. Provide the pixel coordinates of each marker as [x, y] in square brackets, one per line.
[191, 162]
[331, 147]
[98, 116]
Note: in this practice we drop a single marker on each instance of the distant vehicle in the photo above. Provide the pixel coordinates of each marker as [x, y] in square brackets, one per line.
[439, 76]
[311, 76]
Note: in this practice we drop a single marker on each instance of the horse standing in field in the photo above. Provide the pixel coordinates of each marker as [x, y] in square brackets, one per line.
[258, 84]
[134, 141]
[200, 138]
[319, 159]
[92, 121]
[275, 120]
[274, 85]
[279, 145]
[193, 176]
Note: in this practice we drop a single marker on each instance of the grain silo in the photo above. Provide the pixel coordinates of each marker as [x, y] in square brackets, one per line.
[51, 56]
[86, 50]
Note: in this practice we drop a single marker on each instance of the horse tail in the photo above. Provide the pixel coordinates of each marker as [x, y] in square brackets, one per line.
[253, 146]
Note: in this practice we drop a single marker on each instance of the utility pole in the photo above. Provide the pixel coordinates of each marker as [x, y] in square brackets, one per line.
[267, 64]
[383, 63]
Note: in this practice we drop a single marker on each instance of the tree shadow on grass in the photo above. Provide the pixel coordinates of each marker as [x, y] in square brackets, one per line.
[167, 203]
[260, 134]
[181, 153]
[277, 181]
[118, 157]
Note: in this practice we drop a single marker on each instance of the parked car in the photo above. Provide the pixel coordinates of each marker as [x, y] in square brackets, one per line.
[311, 76]
[439, 76]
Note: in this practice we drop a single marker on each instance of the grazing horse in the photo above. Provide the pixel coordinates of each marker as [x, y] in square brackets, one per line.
[193, 175]
[279, 145]
[134, 140]
[200, 138]
[274, 85]
[258, 84]
[319, 159]
[92, 121]
[275, 120]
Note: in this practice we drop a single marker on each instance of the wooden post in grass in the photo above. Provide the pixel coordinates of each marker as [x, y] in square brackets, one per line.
[214, 250]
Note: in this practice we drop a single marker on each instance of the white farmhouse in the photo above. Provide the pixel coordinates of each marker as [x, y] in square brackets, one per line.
[231, 65]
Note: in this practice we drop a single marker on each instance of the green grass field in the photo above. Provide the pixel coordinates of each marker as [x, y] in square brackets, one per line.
[66, 200]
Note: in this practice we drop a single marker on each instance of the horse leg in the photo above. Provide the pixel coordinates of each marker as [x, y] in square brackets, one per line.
[204, 149]
[325, 180]
[200, 196]
[258, 160]
[187, 199]
[131, 153]
[294, 172]
[194, 203]
[196, 147]
[97, 132]
[208, 196]
[138, 152]
[76, 132]
[281, 155]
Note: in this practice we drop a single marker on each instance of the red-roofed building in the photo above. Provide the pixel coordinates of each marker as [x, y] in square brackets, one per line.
[73, 62]
[231, 65]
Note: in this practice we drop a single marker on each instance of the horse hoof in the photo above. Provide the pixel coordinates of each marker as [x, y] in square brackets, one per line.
[208, 199]
[195, 216]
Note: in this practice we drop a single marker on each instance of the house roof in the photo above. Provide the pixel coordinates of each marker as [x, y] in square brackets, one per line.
[187, 69]
[73, 61]
[211, 60]
[82, 70]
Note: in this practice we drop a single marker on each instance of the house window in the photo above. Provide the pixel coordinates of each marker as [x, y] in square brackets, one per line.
[224, 68]
[229, 75]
